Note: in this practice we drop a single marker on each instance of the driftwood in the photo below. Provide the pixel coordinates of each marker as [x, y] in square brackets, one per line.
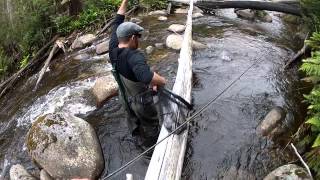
[168, 157]
[33, 64]
[256, 5]
[46, 64]
[299, 54]
[111, 20]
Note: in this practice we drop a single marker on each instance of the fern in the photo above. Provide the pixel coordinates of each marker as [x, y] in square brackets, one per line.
[311, 66]
[314, 41]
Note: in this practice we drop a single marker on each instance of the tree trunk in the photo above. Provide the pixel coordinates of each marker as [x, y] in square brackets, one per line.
[75, 7]
[256, 5]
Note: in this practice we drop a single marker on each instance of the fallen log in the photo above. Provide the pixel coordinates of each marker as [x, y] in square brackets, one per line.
[299, 54]
[35, 62]
[168, 157]
[46, 64]
[256, 5]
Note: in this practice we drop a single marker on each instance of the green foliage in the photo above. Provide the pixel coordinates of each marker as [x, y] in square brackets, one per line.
[155, 4]
[24, 61]
[311, 66]
[313, 159]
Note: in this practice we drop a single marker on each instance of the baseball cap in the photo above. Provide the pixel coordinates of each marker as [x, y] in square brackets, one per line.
[128, 29]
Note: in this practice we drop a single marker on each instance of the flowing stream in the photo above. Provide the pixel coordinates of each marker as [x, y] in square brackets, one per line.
[223, 143]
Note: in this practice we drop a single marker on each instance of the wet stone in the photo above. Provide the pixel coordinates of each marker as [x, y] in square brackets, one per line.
[290, 171]
[159, 45]
[102, 47]
[65, 146]
[158, 12]
[105, 88]
[197, 15]
[44, 175]
[177, 28]
[149, 49]
[275, 117]
[136, 20]
[175, 41]
[83, 41]
[162, 18]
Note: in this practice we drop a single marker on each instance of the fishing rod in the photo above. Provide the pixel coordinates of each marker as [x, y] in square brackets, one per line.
[187, 121]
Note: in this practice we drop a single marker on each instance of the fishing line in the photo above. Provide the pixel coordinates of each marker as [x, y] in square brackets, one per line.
[188, 120]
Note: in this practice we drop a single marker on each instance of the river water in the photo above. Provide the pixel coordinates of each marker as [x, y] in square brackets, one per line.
[223, 141]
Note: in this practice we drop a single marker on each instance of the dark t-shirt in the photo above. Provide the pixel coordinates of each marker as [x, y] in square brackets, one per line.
[131, 63]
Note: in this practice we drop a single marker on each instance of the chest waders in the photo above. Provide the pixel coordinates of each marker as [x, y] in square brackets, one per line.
[138, 100]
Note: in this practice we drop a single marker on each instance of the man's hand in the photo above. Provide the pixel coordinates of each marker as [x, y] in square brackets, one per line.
[123, 8]
[157, 80]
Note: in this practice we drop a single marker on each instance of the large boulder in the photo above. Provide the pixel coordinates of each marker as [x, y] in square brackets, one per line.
[290, 171]
[18, 172]
[105, 88]
[177, 28]
[272, 120]
[174, 41]
[65, 146]
[102, 48]
[245, 14]
[83, 41]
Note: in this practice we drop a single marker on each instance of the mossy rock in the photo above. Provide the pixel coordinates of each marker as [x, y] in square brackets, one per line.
[65, 146]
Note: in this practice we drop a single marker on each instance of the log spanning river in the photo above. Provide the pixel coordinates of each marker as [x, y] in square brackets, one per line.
[223, 141]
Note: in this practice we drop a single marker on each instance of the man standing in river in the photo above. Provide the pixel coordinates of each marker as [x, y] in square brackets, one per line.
[134, 78]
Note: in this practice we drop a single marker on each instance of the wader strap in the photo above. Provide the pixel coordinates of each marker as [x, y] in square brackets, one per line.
[115, 72]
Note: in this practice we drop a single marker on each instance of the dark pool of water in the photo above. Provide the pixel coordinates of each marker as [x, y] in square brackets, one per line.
[223, 142]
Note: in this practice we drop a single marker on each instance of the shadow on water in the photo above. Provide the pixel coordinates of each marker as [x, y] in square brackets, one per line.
[223, 142]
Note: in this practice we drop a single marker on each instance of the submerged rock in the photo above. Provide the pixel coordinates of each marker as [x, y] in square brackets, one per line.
[149, 49]
[65, 146]
[197, 15]
[136, 20]
[245, 14]
[162, 18]
[174, 41]
[83, 41]
[102, 48]
[158, 12]
[18, 172]
[272, 120]
[290, 171]
[105, 88]
[177, 28]
[159, 45]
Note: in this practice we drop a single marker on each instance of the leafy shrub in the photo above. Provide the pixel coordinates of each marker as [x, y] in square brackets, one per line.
[155, 4]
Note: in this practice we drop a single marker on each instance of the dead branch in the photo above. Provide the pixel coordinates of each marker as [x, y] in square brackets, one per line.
[299, 54]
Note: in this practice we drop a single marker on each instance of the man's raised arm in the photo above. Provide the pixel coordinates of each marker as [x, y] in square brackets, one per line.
[123, 8]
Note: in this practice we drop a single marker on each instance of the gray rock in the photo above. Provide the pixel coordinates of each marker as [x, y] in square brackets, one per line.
[80, 57]
[289, 172]
[162, 18]
[272, 120]
[149, 49]
[245, 14]
[174, 41]
[238, 174]
[65, 146]
[185, 11]
[158, 12]
[102, 47]
[44, 175]
[136, 20]
[197, 15]
[177, 28]
[18, 172]
[159, 45]
[83, 41]
[105, 88]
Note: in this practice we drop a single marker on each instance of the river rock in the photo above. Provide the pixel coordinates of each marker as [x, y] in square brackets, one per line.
[65, 146]
[177, 28]
[105, 88]
[102, 48]
[185, 11]
[197, 15]
[149, 49]
[83, 41]
[174, 41]
[245, 14]
[44, 175]
[272, 120]
[18, 172]
[290, 172]
[158, 12]
[136, 20]
[81, 57]
[162, 18]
